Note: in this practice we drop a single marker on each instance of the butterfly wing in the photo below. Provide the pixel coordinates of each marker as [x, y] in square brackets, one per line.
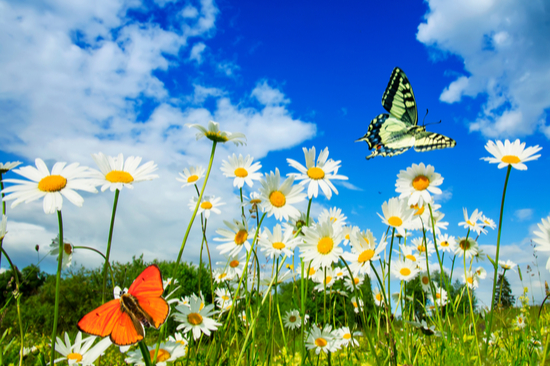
[398, 99]
[147, 289]
[101, 321]
[387, 136]
[127, 330]
[426, 141]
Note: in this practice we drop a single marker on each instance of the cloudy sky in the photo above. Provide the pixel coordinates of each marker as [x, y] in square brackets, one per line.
[113, 76]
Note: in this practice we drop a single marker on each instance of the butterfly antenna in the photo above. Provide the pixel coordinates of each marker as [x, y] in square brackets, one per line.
[434, 123]
[425, 117]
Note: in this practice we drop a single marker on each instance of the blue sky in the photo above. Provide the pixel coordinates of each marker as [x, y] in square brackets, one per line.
[124, 76]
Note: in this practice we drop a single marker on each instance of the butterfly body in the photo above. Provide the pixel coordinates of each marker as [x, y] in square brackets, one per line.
[123, 319]
[394, 133]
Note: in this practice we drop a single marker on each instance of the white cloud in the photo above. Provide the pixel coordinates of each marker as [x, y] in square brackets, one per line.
[71, 100]
[506, 53]
[524, 214]
[267, 95]
[196, 52]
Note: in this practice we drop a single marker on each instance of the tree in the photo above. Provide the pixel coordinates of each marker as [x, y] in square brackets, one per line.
[506, 298]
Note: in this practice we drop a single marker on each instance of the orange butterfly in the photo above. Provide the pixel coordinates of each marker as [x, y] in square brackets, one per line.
[123, 318]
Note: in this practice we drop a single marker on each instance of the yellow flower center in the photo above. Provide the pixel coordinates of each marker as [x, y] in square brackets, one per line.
[470, 280]
[395, 221]
[438, 295]
[464, 244]
[420, 183]
[206, 205]
[222, 275]
[419, 210]
[405, 271]
[411, 257]
[292, 319]
[346, 336]
[255, 201]
[315, 173]
[328, 279]
[366, 256]
[510, 159]
[421, 248]
[325, 245]
[277, 199]
[444, 243]
[520, 320]
[67, 248]
[354, 303]
[216, 136]
[180, 342]
[118, 176]
[194, 318]
[234, 263]
[333, 219]
[241, 173]
[74, 356]
[241, 237]
[320, 342]
[162, 356]
[379, 297]
[52, 183]
[339, 274]
[347, 237]
[425, 280]
[278, 245]
[225, 297]
[356, 280]
[192, 178]
[311, 271]
[470, 223]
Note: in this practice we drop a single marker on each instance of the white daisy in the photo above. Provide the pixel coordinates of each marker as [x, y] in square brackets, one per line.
[299, 222]
[410, 253]
[179, 339]
[67, 251]
[357, 304]
[425, 281]
[243, 318]
[471, 279]
[235, 238]
[222, 296]
[317, 175]
[437, 222]
[221, 275]
[397, 214]
[208, 204]
[404, 270]
[292, 319]
[195, 318]
[168, 352]
[357, 280]
[481, 273]
[80, 353]
[520, 321]
[471, 222]
[234, 265]
[6, 167]
[485, 221]
[446, 243]
[191, 176]
[335, 216]
[321, 340]
[417, 182]
[115, 173]
[468, 247]
[242, 170]
[278, 199]
[339, 272]
[422, 247]
[345, 337]
[278, 243]
[63, 180]
[213, 133]
[321, 244]
[514, 154]
[349, 231]
[440, 296]
[364, 251]
[508, 265]
[543, 238]
[378, 297]
[323, 276]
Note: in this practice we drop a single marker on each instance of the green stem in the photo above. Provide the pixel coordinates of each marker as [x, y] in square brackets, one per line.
[145, 352]
[495, 266]
[18, 299]
[57, 285]
[3, 212]
[472, 310]
[109, 241]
